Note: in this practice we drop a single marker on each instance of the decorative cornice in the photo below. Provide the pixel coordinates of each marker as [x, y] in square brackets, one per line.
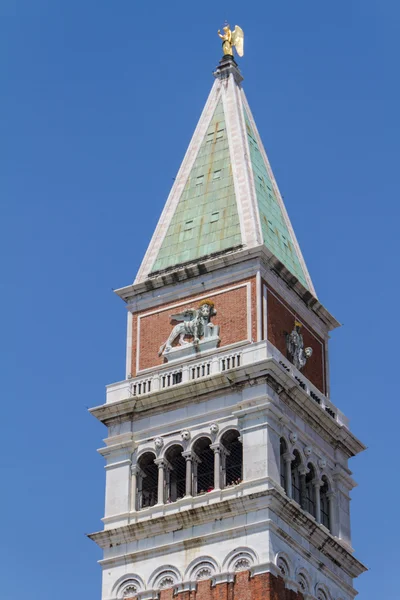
[285, 508]
[267, 370]
[210, 264]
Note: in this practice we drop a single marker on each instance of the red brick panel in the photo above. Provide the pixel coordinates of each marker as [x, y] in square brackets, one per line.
[280, 322]
[231, 316]
[261, 587]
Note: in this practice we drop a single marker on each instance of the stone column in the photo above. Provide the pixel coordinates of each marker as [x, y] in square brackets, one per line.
[331, 498]
[303, 472]
[161, 463]
[217, 448]
[135, 472]
[288, 457]
[188, 456]
[317, 483]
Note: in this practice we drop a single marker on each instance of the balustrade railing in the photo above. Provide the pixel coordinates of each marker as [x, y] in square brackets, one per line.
[167, 377]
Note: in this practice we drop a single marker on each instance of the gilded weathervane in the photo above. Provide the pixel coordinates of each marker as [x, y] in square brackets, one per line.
[232, 38]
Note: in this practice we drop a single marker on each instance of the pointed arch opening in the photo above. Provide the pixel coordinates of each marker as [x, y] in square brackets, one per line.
[232, 459]
[176, 473]
[204, 467]
[147, 481]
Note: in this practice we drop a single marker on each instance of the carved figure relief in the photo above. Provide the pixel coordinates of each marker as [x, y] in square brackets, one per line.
[295, 347]
[193, 323]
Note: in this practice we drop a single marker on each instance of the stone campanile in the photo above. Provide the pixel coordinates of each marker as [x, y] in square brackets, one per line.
[227, 471]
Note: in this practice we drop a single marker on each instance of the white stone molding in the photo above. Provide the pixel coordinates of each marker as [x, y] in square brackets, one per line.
[198, 436]
[170, 444]
[164, 577]
[303, 580]
[284, 565]
[127, 582]
[229, 427]
[129, 345]
[204, 567]
[259, 306]
[145, 450]
[240, 559]
[322, 592]
[222, 578]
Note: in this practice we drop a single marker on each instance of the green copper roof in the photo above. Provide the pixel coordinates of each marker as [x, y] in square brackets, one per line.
[275, 232]
[206, 218]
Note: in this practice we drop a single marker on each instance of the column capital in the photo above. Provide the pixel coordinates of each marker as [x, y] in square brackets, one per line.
[288, 457]
[219, 447]
[162, 463]
[136, 470]
[331, 494]
[317, 483]
[304, 470]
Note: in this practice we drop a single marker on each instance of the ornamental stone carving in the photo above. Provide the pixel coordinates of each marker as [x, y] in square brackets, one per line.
[129, 591]
[203, 573]
[308, 451]
[166, 582]
[293, 437]
[297, 354]
[322, 463]
[243, 564]
[159, 443]
[194, 324]
[214, 428]
[185, 435]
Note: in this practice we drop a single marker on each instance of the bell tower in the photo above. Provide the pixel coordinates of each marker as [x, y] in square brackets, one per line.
[227, 472]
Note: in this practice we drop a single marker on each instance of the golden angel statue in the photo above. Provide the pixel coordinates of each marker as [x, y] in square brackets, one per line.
[232, 38]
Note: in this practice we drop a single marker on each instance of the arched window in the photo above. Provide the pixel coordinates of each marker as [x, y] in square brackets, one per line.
[296, 483]
[176, 475]
[283, 450]
[233, 459]
[204, 468]
[147, 481]
[325, 513]
[309, 504]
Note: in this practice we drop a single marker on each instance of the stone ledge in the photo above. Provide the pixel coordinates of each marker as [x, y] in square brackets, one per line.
[280, 504]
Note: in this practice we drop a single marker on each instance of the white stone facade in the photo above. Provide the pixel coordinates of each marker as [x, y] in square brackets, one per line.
[253, 523]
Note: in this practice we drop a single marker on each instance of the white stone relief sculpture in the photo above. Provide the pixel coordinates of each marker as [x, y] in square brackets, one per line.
[214, 428]
[322, 463]
[159, 443]
[166, 582]
[295, 347]
[129, 591]
[293, 437]
[193, 323]
[185, 435]
[243, 564]
[308, 451]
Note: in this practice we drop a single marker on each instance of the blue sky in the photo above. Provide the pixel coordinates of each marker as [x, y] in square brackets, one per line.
[99, 101]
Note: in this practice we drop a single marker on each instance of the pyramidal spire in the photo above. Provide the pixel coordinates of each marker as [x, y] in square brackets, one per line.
[225, 198]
